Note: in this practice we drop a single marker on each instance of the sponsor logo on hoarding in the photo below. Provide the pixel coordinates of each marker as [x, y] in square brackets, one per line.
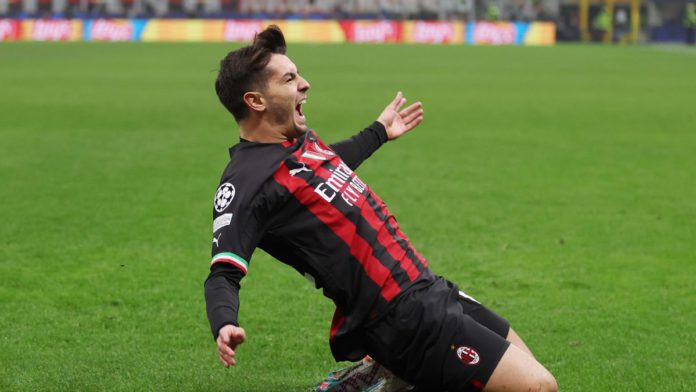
[372, 31]
[108, 30]
[242, 30]
[52, 30]
[9, 29]
[433, 32]
[494, 33]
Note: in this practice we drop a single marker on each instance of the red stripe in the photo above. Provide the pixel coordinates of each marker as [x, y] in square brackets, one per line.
[383, 237]
[336, 323]
[343, 228]
[478, 384]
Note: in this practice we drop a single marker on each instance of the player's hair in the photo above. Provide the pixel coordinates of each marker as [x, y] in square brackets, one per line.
[244, 70]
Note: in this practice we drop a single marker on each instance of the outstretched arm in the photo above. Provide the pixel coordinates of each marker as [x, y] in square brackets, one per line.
[391, 124]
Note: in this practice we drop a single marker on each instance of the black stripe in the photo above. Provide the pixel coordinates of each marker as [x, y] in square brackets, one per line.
[404, 242]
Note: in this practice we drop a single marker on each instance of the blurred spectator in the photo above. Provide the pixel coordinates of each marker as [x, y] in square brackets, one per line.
[492, 12]
[601, 24]
[621, 24]
[690, 23]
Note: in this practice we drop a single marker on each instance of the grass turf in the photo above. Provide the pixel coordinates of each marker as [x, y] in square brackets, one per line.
[557, 185]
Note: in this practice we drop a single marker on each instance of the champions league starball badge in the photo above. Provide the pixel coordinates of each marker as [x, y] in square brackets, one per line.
[224, 196]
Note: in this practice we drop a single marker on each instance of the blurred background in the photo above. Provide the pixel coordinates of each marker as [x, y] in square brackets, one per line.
[469, 21]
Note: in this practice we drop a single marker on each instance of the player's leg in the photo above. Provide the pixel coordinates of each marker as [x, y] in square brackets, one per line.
[519, 371]
[491, 320]
[516, 340]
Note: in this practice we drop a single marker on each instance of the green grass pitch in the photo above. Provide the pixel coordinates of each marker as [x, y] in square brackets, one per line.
[557, 185]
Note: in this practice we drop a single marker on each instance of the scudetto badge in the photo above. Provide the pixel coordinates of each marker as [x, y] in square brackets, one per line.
[224, 196]
[468, 355]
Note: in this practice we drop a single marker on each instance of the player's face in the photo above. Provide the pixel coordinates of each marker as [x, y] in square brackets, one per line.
[285, 93]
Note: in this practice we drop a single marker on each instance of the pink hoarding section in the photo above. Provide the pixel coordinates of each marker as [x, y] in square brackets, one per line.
[371, 31]
[9, 30]
[52, 30]
[110, 30]
[433, 32]
[497, 33]
[242, 30]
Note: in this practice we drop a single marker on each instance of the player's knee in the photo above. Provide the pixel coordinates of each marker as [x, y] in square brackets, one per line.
[547, 383]
[542, 382]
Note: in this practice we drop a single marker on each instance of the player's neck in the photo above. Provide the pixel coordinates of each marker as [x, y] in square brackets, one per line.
[260, 132]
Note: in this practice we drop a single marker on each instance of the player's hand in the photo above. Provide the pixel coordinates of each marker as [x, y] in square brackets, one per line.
[399, 122]
[228, 339]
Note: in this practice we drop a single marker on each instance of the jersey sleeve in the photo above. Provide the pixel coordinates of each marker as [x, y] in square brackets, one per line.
[222, 296]
[236, 225]
[353, 151]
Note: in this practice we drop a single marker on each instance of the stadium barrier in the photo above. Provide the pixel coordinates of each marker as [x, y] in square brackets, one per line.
[309, 31]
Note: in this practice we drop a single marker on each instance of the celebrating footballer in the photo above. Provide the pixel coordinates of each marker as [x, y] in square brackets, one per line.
[298, 198]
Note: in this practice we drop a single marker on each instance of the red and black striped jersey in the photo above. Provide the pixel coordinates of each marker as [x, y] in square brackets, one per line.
[301, 202]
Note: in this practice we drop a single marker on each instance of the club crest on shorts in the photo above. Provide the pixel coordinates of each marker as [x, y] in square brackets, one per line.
[468, 355]
[224, 196]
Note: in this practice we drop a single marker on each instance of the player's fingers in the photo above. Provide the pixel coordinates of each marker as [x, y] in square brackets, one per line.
[226, 355]
[227, 361]
[412, 116]
[225, 349]
[401, 103]
[223, 361]
[238, 335]
[410, 109]
[414, 123]
[397, 101]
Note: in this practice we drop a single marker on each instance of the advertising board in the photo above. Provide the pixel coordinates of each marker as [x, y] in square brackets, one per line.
[9, 30]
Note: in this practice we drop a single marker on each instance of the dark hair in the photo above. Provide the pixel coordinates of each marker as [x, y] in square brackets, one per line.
[244, 70]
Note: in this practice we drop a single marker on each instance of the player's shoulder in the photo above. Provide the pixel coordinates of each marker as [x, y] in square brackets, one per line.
[250, 166]
[253, 162]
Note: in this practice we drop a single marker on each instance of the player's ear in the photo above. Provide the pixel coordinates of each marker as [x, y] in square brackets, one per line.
[254, 100]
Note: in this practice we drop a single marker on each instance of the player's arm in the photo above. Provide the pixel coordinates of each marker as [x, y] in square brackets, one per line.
[391, 124]
[355, 150]
[222, 307]
[236, 230]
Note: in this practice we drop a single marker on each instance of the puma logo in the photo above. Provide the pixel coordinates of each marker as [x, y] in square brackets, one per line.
[301, 169]
[215, 240]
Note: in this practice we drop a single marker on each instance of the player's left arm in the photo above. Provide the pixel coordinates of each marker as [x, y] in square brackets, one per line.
[391, 124]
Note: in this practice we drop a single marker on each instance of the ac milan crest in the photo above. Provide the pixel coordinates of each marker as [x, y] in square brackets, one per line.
[468, 355]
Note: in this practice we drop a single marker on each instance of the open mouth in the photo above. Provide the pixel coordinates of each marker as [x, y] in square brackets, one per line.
[298, 108]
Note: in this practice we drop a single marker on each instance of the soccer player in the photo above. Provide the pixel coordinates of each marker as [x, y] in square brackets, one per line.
[287, 192]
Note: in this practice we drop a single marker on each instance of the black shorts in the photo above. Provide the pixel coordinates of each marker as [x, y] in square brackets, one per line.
[439, 339]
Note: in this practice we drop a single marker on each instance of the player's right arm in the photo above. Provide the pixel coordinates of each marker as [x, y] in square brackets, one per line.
[238, 219]
[222, 305]
[222, 308]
